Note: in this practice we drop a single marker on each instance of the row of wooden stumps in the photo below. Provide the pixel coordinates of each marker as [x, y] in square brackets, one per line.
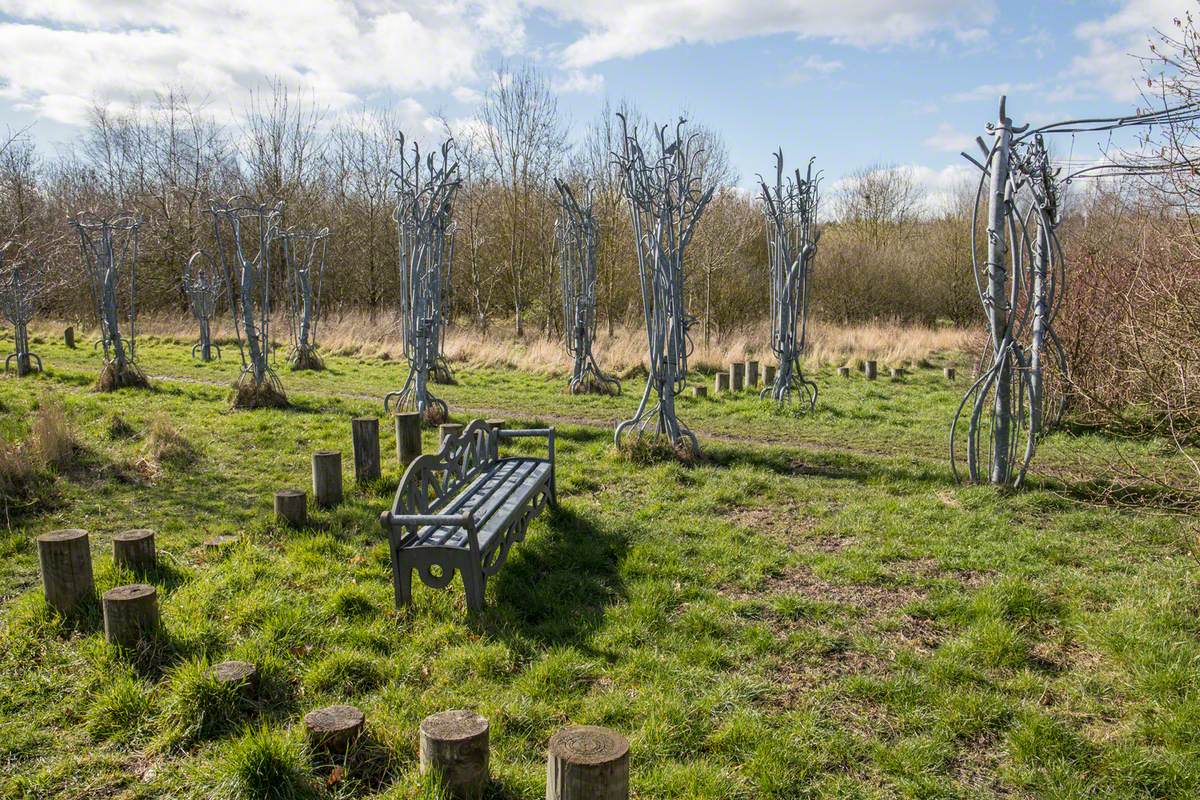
[744, 375]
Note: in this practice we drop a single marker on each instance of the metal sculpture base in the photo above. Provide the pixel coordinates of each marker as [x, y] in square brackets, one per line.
[305, 358]
[115, 376]
[790, 380]
[24, 363]
[433, 411]
[662, 417]
[590, 379]
[199, 346]
[441, 373]
[265, 393]
[999, 418]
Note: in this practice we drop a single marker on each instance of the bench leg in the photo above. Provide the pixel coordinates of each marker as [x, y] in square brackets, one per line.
[475, 585]
[402, 581]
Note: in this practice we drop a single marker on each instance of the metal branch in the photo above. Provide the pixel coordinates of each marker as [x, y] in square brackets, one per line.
[304, 252]
[22, 286]
[203, 287]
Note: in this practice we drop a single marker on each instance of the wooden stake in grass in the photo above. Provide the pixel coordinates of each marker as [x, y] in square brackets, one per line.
[949, 373]
[751, 373]
[130, 614]
[327, 478]
[871, 369]
[65, 557]
[896, 373]
[408, 436]
[454, 744]
[843, 372]
[291, 507]
[587, 762]
[769, 375]
[334, 728]
[241, 674]
[737, 376]
[448, 429]
[699, 391]
[721, 384]
[135, 551]
[69, 337]
[364, 435]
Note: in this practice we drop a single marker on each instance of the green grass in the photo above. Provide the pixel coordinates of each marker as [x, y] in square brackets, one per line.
[812, 610]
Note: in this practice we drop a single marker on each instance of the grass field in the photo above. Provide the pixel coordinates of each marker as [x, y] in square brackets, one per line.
[813, 610]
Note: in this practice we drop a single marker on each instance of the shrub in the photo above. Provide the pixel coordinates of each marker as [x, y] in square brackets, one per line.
[197, 705]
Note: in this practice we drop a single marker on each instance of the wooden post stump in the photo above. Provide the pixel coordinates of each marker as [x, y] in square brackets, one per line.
[496, 424]
[408, 437]
[871, 369]
[69, 337]
[334, 728]
[327, 478]
[844, 372]
[721, 384]
[241, 674]
[751, 373]
[769, 375]
[737, 376]
[949, 373]
[455, 744]
[65, 557]
[134, 550]
[699, 391]
[364, 437]
[130, 614]
[448, 429]
[291, 507]
[896, 373]
[587, 762]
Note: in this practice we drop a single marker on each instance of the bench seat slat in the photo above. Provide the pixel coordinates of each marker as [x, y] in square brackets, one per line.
[492, 498]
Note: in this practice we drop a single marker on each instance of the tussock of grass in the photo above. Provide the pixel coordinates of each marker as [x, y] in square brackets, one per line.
[167, 446]
[197, 706]
[248, 395]
[119, 428]
[51, 437]
[122, 709]
[656, 449]
[263, 764]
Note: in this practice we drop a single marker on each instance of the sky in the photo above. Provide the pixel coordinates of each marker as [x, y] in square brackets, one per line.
[906, 83]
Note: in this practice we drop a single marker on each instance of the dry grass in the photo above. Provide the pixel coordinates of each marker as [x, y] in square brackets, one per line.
[166, 445]
[51, 439]
[17, 469]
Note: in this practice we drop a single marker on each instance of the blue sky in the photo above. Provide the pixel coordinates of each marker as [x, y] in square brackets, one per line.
[854, 82]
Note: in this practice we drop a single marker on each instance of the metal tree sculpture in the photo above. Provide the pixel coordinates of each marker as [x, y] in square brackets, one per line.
[304, 252]
[109, 248]
[790, 209]
[425, 192]
[202, 285]
[244, 230]
[666, 199]
[21, 287]
[575, 235]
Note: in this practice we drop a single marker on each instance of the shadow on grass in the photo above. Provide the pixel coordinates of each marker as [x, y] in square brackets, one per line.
[835, 465]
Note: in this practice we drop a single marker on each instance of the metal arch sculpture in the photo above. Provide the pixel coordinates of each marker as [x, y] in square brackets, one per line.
[575, 234]
[304, 252]
[425, 191]
[109, 252]
[244, 230]
[22, 285]
[666, 200]
[203, 288]
[790, 210]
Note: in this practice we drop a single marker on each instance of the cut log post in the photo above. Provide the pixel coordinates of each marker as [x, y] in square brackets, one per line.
[408, 437]
[364, 436]
[134, 550]
[69, 337]
[844, 372]
[721, 384]
[454, 744]
[291, 507]
[587, 762]
[240, 674]
[130, 614]
[737, 376]
[327, 478]
[496, 424]
[334, 728]
[699, 391]
[65, 557]
[751, 373]
[896, 373]
[949, 373]
[448, 429]
[871, 369]
[769, 375]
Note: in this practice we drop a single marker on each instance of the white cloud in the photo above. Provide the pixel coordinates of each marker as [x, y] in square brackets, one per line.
[581, 82]
[813, 67]
[992, 91]
[950, 139]
[1108, 64]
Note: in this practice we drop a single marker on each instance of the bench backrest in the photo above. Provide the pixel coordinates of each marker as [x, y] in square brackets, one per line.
[432, 480]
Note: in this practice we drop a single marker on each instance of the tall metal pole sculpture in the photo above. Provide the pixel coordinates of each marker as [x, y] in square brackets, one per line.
[575, 234]
[666, 199]
[425, 191]
[109, 249]
[244, 230]
[1021, 284]
[304, 252]
[202, 285]
[790, 209]
[21, 287]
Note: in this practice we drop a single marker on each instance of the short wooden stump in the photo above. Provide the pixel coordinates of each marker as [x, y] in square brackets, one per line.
[408, 436]
[587, 762]
[291, 507]
[721, 382]
[448, 429]
[240, 674]
[699, 391]
[871, 369]
[364, 440]
[896, 373]
[844, 372]
[134, 550]
[769, 374]
[65, 558]
[455, 745]
[130, 614]
[949, 373]
[334, 728]
[327, 478]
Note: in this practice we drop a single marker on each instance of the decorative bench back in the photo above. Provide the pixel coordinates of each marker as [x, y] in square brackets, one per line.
[432, 480]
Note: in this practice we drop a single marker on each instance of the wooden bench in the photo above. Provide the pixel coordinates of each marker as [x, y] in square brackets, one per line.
[462, 508]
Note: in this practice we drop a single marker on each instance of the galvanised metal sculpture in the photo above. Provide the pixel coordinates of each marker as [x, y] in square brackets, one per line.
[244, 230]
[109, 249]
[666, 198]
[790, 209]
[304, 253]
[22, 285]
[202, 285]
[1021, 285]
[425, 190]
[575, 235]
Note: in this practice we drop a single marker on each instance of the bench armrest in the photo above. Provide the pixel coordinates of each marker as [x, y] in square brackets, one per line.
[393, 523]
[526, 433]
